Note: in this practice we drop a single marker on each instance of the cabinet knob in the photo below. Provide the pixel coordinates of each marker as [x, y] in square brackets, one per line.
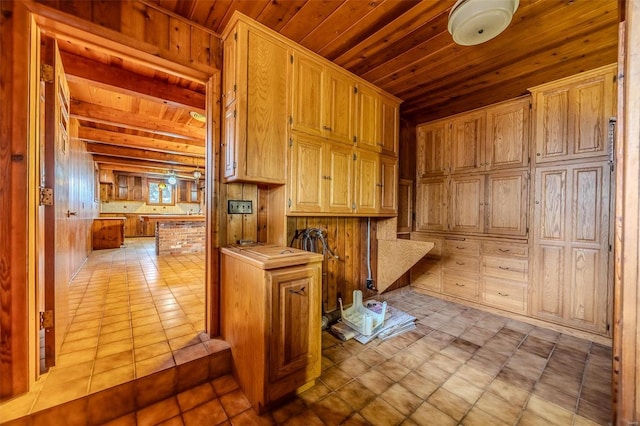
[301, 291]
[504, 268]
[503, 294]
[460, 285]
[328, 129]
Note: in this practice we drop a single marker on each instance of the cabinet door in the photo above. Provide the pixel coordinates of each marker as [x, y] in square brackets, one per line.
[122, 187]
[507, 139]
[367, 180]
[339, 111]
[389, 127]
[431, 204]
[308, 81]
[230, 57]
[506, 205]
[368, 119]
[571, 240]
[389, 184]
[266, 109]
[467, 204]
[230, 132]
[337, 178]
[571, 116]
[467, 136]
[295, 323]
[431, 150]
[306, 174]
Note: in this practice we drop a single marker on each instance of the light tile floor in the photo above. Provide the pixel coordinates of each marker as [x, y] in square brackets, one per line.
[461, 366]
[132, 313]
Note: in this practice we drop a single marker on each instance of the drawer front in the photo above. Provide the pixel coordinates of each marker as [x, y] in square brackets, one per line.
[505, 249]
[438, 242]
[505, 295]
[461, 285]
[462, 263]
[464, 247]
[505, 267]
[427, 275]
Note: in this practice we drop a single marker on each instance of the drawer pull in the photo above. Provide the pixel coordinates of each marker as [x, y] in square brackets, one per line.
[460, 285]
[301, 291]
[503, 294]
[459, 263]
[504, 268]
[460, 248]
[504, 250]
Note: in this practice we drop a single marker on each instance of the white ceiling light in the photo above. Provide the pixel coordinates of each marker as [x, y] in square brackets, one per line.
[473, 22]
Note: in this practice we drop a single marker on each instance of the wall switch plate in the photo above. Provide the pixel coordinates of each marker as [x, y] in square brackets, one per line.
[239, 207]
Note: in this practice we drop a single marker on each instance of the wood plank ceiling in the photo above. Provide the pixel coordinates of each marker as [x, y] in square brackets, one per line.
[402, 46]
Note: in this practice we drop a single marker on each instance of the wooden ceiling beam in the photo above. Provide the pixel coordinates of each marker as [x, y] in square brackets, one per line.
[115, 117]
[142, 165]
[123, 81]
[148, 172]
[89, 134]
[134, 153]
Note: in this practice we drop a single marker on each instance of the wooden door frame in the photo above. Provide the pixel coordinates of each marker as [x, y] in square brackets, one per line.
[18, 259]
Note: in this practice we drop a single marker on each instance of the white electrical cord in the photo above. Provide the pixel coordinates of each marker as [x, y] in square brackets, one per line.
[368, 248]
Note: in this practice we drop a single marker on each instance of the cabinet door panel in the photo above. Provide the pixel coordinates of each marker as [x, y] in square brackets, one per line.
[230, 57]
[551, 204]
[431, 213]
[389, 126]
[431, 150]
[467, 204]
[593, 104]
[552, 130]
[506, 205]
[338, 179]
[467, 142]
[308, 81]
[367, 180]
[339, 108]
[266, 109]
[230, 132]
[368, 119]
[389, 185]
[508, 135]
[307, 156]
[550, 267]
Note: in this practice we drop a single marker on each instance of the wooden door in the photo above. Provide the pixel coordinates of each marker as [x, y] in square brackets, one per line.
[506, 203]
[56, 147]
[507, 140]
[571, 242]
[466, 211]
[388, 184]
[431, 150]
[308, 89]
[338, 178]
[466, 135]
[306, 174]
[295, 322]
[339, 111]
[432, 204]
[367, 180]
[368, 119]
[389, 127]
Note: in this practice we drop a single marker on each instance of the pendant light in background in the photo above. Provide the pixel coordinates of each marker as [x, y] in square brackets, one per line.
[172, 180]
[473, 22]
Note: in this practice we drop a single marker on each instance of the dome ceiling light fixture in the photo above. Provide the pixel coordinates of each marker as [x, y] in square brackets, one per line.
[473, 22]
[172, 180]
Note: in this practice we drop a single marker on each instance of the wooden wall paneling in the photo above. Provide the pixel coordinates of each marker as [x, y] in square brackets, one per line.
[133, 17]
[156, 28]
[79, 8]
[106, 13]
[180, 39]
[626, 378]
[359, 282]
[262, 214]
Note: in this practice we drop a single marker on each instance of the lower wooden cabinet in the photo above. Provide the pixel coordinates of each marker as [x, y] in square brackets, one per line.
[271, 317]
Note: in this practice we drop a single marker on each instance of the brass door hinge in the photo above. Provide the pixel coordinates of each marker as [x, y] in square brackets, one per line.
[46, 73]
[46, 196]
[46, 319]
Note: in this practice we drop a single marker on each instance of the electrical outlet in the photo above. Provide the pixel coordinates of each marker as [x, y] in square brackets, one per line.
[239, 207]
[370, 285]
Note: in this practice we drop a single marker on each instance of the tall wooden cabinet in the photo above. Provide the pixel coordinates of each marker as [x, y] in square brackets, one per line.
[255, 85]
[270, 316]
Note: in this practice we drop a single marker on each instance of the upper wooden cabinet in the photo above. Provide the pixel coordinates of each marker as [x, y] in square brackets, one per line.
[377, 120]
[130, 187]
[431, 149]
[255, 86]
[323, 99]
[491, 138]
[571, 115]
[389, 125]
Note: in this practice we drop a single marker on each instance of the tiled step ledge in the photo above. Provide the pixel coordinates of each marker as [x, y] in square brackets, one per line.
[98, 408]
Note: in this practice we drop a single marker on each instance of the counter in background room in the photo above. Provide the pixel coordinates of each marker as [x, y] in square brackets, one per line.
[178, 234]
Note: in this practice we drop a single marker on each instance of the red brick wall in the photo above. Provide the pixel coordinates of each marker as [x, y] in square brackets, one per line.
[180, 237]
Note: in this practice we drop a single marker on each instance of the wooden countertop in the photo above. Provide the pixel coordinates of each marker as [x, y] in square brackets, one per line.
[111, 218]
[173, 217]
[270, 256]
